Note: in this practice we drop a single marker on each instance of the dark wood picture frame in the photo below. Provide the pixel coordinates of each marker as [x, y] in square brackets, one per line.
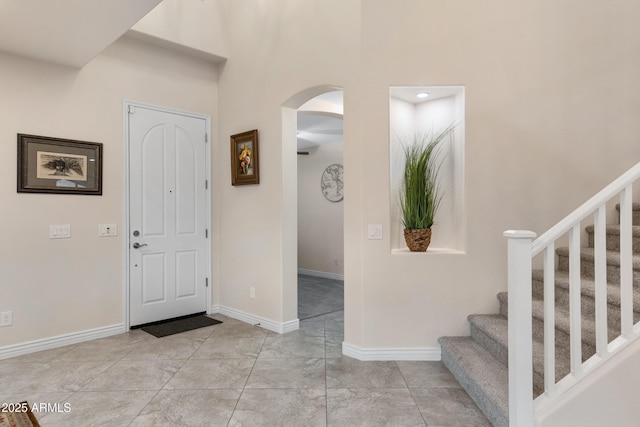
[60, 166]
[244, 158]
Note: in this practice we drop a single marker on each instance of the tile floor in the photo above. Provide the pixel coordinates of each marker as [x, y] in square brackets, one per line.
[318, 296]
[233, 374]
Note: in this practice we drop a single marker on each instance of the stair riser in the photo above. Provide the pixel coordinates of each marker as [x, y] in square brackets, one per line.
[587, 270]
[501, 353]
[494, 415]
[562, 337]
[497, 350]
[613, 242]
[587, 304]
[635, 217]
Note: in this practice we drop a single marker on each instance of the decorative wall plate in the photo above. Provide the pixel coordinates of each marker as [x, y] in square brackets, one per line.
[332, 183]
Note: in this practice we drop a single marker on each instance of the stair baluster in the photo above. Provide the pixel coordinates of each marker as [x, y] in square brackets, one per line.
[583, 304]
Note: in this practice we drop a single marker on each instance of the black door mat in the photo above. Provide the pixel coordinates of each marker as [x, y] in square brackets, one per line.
[176, 326]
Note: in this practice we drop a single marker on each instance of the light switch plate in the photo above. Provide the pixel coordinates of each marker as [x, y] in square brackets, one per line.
[107, 230]
[374, 232]
[6, 318]
[60, 231]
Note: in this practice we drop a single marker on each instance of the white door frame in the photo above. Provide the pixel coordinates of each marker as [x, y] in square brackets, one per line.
[127, 238]
[290, 198]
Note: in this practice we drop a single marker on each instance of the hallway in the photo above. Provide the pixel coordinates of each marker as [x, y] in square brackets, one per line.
[318, 296]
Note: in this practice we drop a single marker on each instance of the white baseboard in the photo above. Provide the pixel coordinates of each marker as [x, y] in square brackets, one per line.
[321, 274]
[265, 323]
[59, 341]
[367, 354]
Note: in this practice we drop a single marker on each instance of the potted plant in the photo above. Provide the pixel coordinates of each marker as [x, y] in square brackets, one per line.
[420, 192]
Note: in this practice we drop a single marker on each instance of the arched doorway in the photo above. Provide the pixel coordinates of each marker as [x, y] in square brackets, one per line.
[290, 196]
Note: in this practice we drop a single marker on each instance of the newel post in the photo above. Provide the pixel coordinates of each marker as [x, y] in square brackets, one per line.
[520, 328]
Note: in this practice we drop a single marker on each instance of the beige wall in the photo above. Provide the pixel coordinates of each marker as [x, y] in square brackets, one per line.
[55, 287]
[551, 113]
[550, 106]
[263, 73]
[546, 127]
[320, 222]
[196, 27]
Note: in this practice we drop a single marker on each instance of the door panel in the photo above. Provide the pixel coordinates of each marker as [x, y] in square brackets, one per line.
[154, 283]
[167, 172]
[186, 265]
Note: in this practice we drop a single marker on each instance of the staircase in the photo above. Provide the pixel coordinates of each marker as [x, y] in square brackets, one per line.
[480, 361]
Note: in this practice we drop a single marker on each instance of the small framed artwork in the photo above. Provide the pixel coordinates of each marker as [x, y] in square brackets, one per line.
[244, 158]
[61, 166]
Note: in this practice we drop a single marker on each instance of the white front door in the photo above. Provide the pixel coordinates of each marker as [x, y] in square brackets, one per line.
[168, 235]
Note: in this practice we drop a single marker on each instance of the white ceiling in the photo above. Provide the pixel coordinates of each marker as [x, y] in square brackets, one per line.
[320, 121]
[66, 32]
[318, 129]
[408, 93]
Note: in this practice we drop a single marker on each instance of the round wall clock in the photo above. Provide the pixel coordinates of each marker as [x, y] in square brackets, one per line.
[332, 183]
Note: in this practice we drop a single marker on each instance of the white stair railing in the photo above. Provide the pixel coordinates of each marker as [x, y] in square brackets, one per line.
[521, 250]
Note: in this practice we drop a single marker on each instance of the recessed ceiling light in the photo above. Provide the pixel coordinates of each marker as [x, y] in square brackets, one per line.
[422, 94]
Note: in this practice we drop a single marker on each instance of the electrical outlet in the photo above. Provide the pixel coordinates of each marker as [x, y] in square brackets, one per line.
[252, 292]
[6, 318]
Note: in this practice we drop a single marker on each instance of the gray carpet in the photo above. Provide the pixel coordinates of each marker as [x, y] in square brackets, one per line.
[318, 296]
[479, 361]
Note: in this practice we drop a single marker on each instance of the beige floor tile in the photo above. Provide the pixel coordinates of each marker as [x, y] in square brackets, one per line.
[40, 356]
[333, 347]
[287, 373]
[311, 327]
[372, 407]
[188, 408]
[299, 408]
[212, 374]
[223, 347]
[345, 372]
[175, 347]
[136, 375]
[233, 373]
[451, 407]
[108, 409]
[99, 350]
[427, 374]
[236, 328]
[292, 346]
[49, 377]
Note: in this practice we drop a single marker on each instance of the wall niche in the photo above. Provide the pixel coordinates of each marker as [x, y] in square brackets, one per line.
[419, 110]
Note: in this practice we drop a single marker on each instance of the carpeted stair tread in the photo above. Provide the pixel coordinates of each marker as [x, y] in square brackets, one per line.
[613, 237]
[634, 206]
[587, 288]
[495, 327]
[562, 319]
[588, 254]
[484, 378]
[635, 212]
[614, 229]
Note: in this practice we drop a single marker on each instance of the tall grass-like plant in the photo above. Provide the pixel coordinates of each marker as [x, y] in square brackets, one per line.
[421, 193]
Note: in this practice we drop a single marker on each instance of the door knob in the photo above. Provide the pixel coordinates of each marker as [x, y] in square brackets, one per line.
[137, 245]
